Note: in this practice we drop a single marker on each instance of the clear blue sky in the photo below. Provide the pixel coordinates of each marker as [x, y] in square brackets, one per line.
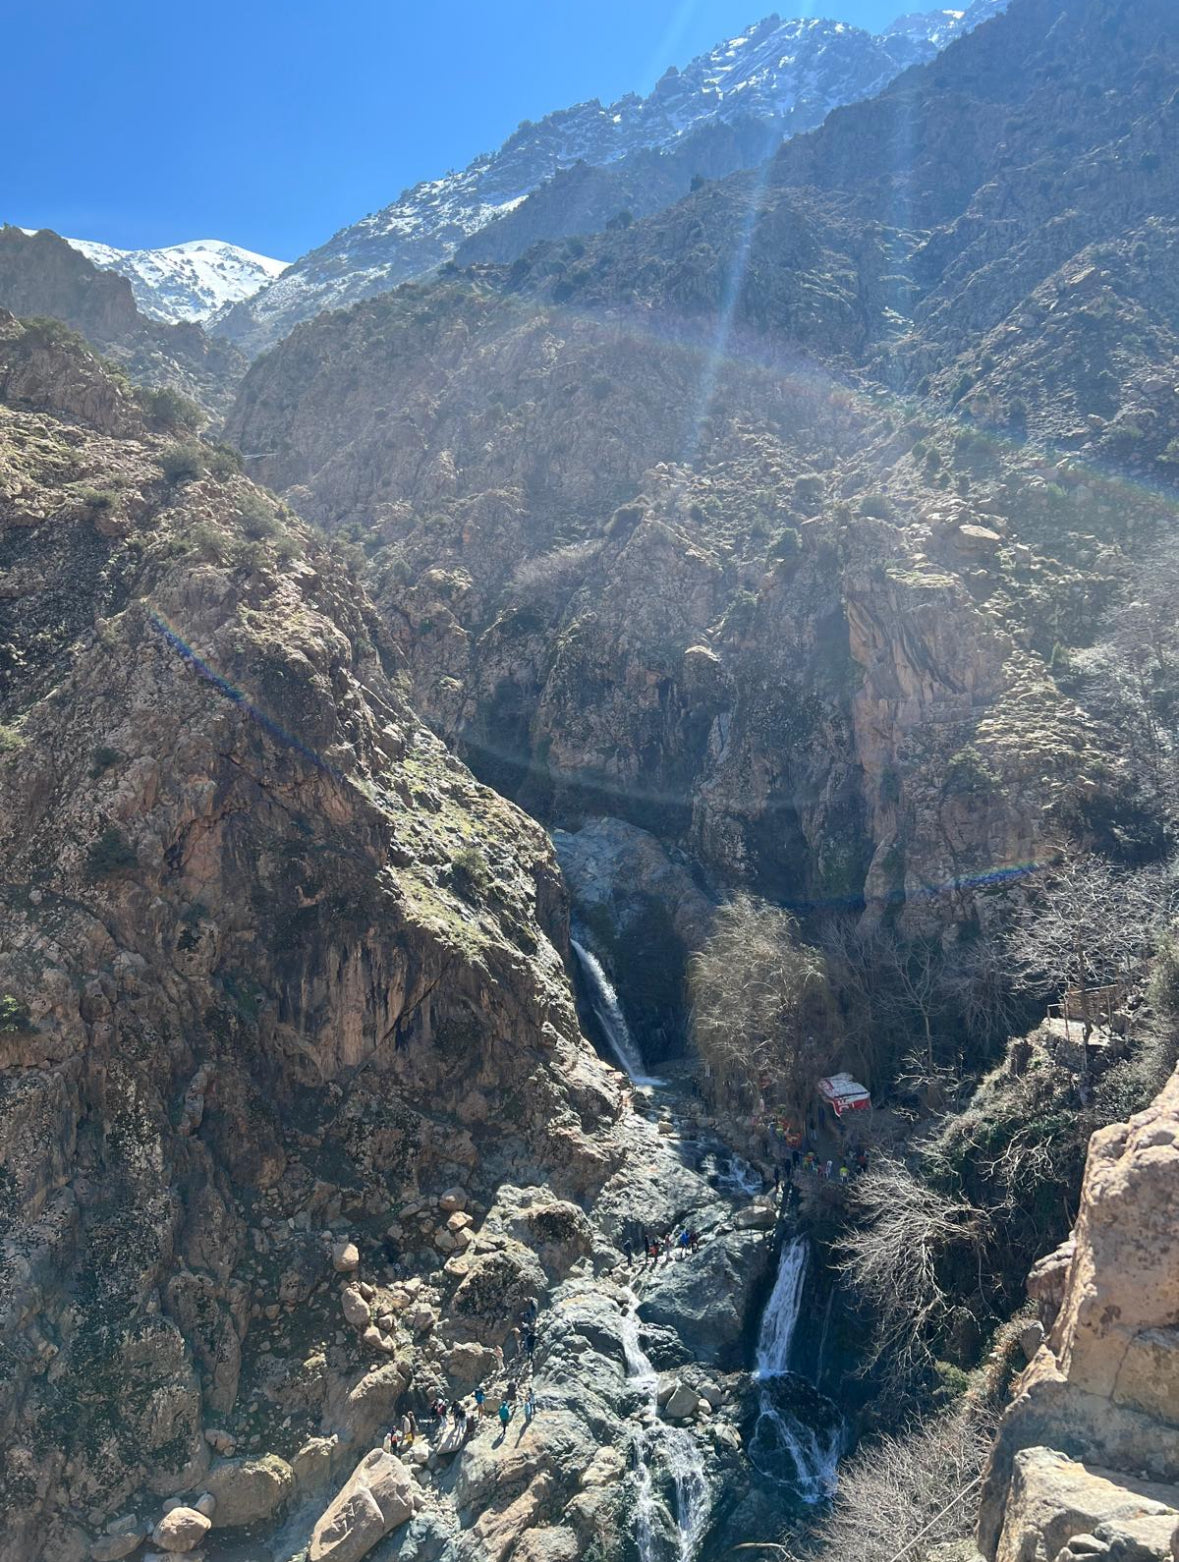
[146, 122]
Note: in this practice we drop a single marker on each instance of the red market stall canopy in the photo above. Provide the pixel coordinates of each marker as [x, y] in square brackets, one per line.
[844, 1094]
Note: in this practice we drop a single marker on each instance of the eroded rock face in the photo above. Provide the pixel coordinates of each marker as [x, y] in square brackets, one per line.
[1102, 1388]
[277, 955]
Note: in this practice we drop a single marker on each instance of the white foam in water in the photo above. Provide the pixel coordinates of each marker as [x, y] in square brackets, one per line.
[608, 1010]
[813, 1452]
[671, 1448]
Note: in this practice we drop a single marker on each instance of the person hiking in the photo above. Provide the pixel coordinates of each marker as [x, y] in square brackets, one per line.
[505, 1414]
[685, 1239]
[456, 1410]
[480, 1396]
[529, 1406]
[777, 1179]
[843, 1172]
[628, 1252]
[530, 1343]
[512, 1345]
[394, 1439]
[510, 1391]
[406, 1431]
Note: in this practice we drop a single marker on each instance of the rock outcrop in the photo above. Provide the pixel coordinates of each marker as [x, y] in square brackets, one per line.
[1096, 1413]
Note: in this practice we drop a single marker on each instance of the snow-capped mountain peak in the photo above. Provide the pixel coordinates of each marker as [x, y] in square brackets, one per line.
[188, 281]
[780, 77]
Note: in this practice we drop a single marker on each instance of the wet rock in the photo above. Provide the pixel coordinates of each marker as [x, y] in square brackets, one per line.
[681, 1402]
[707, 1298]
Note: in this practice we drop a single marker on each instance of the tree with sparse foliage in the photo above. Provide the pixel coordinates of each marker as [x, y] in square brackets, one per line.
[763, 1013]
[1090, 925]
[891, 1258]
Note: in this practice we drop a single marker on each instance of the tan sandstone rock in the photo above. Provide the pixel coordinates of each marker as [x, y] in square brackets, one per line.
[377, 1497]
[181, 1530]
[246, 1490]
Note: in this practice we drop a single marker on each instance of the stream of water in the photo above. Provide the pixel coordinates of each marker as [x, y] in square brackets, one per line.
[608, 1011]
[799, 1433]
[672, 1450]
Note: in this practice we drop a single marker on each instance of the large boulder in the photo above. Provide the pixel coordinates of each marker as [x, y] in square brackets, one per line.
[708, 1297]
[249, 1489]
[1053, 1500]
[376, 1498]
[181, 1530]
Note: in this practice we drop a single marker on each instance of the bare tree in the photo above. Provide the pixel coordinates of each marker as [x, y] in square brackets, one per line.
[891, 1259]
[912, 1492]
[762, 1006]
[1091, 925]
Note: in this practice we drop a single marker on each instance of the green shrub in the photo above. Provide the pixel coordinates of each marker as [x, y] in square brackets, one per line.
[11, 739]
[110, 853]
[14, 1015]
[102, 759]
[45, 331]
[167, 410]
[96, 499]
[182, 462]
[469, 871]
[257, 517]
[224, 461]
[876, 505]
[787, 545]
[962, 386]
[808, 492]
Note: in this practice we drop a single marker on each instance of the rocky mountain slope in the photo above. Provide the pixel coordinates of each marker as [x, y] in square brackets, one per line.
[724, 110]
[759, 523]
[295, 1114]
[185, 281]
[44, 275]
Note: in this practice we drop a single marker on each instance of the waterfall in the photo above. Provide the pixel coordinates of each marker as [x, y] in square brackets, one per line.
[670, 1448]
[604, 1001]
[799, 1433]
[781, 1314]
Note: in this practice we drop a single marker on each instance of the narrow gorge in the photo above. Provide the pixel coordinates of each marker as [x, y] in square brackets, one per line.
[589, 927]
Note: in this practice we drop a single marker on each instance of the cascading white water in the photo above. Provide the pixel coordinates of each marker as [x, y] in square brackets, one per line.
[782, 1309]
[610, 1017]
[731, 1173]
[672, 1448]
[808, 1453]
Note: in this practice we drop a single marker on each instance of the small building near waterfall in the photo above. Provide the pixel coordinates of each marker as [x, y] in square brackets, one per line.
[843, 1094]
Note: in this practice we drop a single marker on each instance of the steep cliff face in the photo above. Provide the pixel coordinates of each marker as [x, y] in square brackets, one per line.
[661, 540]
[268, 952]
[1090, 1443]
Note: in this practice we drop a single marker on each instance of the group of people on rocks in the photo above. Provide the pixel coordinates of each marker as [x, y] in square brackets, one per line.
[804, 1161]
[652, 1246]
[454, 1416]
